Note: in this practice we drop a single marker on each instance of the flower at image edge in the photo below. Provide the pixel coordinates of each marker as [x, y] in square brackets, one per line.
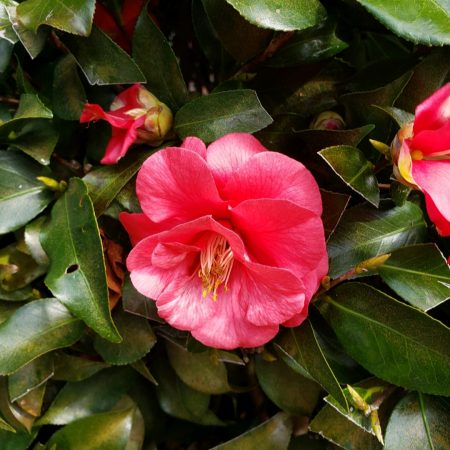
[230, 243]
[421, 154]
[136, 116]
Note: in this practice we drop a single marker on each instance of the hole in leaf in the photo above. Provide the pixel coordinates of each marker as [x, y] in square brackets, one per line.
[72, 268]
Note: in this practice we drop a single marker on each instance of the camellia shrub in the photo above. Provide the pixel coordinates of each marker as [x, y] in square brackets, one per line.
[224, 224]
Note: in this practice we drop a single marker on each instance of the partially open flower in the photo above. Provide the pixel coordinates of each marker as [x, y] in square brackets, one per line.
[421, 156]
[136, 116]
[327, 120]
[230, 244]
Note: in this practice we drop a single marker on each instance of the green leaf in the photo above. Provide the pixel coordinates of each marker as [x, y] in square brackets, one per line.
[392, 340]
[6, 29]
[334, 205]
[212, 116]
[302, 345]
[423, 21]
[73, 368]
[400, 116]
[155, 57]
[353, 167]
[179, 400]
[105, 183]
[202, 371]
[73, 16]
[6, 49]
[22, 197]
[34, 329]
[30, 377]
[365, 232]
[419, 422]
[419, 274]
[77, 271]
[68, 95]
[20, 440]
[102, 60]
[138, 340]
[109, 430]
[275, 433]
[283, 15]
[96, 394]
[335, 427]
[290, 391]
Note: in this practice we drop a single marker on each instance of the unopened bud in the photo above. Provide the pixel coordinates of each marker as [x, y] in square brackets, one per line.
[358, 401]
[52, 184]
[327, 120]
[381, 147]
[372, 263]
[376, 427]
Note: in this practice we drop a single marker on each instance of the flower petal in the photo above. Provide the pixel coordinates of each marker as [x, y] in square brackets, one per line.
[442, 223]
[273, 175]
[92, 112]
[433, 112]
[432, 141]
[127, 99]
[175, 183]
[196, 145]
[229, 152]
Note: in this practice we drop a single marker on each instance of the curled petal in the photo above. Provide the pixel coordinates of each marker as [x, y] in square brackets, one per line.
[433, 112]
[432, 142]
[92, 112]
[196, 145]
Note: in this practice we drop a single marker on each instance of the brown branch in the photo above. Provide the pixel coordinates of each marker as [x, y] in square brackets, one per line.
[9, 100]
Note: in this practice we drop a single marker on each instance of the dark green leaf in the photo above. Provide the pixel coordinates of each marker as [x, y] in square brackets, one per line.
[392, 340]
[201, 371]
[400, 116]
[109, 431]
[72, 368]
[290, 391]
[419, 274]
[334, 205]
[283, 15]
[77, 271]
[68, 91]
[105, 183]
[275, 433]
[365, 232]
[6, 30]
[302, 345]
[101, 60]
[20, 440]
[158, 63]
[6, 49]
[138, 340]
[353, 167]
[35, 329]
[212, 116]
[73, 16]
[423, 21]
[419, 422]
[335, 427]
[98, 393]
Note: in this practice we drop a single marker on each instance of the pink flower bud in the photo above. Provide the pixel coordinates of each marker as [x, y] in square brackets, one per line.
[327, 120]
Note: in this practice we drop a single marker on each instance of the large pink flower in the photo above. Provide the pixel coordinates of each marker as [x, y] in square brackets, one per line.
[135, 115]
[230, 244]
[421, 152]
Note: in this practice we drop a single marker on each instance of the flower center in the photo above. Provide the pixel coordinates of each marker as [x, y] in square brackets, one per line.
[216, 262]
[416, 155]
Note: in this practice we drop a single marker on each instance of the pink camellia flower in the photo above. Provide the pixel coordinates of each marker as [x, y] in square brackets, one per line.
[135, 115]
[421, 154]
[230, 244]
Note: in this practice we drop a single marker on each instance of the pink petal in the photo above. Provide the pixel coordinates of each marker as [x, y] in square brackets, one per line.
[281, 234]
[229, 152]
[273, 175]
[92, 112]
[432, 141]
[296, 320]
[196, 145]
[433, 112]
[442, 223]
[129, 98]
[175, 183]
[433, 178]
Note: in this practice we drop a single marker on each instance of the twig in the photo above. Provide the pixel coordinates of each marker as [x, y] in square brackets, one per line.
[9, 100]
[384, 185]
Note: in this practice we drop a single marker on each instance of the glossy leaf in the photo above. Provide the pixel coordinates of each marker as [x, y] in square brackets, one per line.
[281, 15]
[419, 274]
[6, 29]
[400, 116]
[155, 57]
[201, 371]
[73, 368]
[353, 167]
[34, 329]
[73, 16]
[419, 422]
[430, 27]
[302, 346]
[274, 433]
[138, 340]
[394, 341]
[101, 60]
[335, 427]
[98, 393]
[334, 205]
[365, 232]
[19, 440]
[110, 430]
[77, 272]
[212, 116]
[290, 391]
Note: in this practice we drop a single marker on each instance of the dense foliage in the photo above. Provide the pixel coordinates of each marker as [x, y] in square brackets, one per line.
[85, 361]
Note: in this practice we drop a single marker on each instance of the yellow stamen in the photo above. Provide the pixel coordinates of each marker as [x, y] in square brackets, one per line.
[216, 262]
[416, 155]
